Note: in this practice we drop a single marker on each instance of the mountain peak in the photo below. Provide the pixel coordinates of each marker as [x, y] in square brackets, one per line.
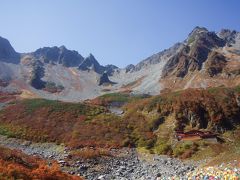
[59, 55]
[104, 80]
[7, 52]
[227, 31]
[91, 59]
[201, 36]
[90, 63]
[63, 47]
[199, 29]
[91, 56]
[196, 32]
[227, 35]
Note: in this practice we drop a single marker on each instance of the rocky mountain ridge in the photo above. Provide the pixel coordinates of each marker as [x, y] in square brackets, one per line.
[204, 59]
[70, 58]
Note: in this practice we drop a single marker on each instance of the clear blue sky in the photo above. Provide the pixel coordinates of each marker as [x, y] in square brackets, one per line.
[116, 32]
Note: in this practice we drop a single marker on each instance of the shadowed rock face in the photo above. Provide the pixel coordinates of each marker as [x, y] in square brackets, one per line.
[104, 80]
[36, 76]
[129, 68]
[192, 56]
[7, 53]
[215, 64]
[59, 55]
[178, 65]
[227, 35]
[110, 69]
[90, 63]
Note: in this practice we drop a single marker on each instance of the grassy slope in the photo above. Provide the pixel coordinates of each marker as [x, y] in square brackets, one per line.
[75, 124]
[116, 97]
[216, 106]
[148, 123]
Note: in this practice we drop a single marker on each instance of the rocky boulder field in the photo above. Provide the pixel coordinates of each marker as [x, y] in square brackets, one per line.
[124, 163]
[127, 164]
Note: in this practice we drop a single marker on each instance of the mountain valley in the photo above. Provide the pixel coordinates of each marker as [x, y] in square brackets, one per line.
[70, 117]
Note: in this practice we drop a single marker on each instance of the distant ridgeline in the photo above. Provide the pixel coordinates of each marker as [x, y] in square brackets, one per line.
[204, 59]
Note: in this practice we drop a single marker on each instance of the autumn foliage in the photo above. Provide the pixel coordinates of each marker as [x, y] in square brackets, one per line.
[16, 165]
[6, 97]
[75, 124]
[79, 125]
[213, 108]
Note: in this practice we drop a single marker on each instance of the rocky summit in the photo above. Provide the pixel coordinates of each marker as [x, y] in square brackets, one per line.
[7, 53]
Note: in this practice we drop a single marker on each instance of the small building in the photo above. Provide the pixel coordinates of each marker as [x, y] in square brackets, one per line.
[195, 135]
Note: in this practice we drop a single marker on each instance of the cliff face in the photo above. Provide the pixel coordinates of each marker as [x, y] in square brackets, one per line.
[195, 52]
[206, 59]
[7, 53]
[104, 80]
[58, 55]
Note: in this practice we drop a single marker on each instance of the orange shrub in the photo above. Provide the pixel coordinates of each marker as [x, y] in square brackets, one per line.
[15, 165]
